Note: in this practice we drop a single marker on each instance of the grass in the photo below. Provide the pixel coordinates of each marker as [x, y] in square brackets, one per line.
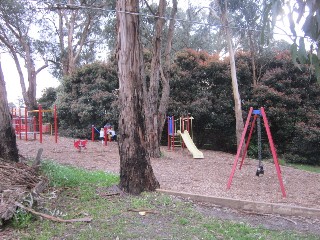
[304, 167]
[74, 193]
[309, 168]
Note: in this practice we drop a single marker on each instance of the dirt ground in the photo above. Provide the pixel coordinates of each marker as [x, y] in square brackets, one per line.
[178, 171]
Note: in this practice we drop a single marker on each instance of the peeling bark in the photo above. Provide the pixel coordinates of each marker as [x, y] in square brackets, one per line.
[136, 174]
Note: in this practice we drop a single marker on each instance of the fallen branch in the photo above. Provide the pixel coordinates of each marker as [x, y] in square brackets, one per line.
[55, 219]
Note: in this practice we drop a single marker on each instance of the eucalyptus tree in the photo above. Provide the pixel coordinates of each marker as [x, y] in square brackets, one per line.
[143, 101]
[300, 12]
[219, 11]
[247, 18]
[8, 145]
[197, 30]
[136, 174]
[75, 30]
[18, 20]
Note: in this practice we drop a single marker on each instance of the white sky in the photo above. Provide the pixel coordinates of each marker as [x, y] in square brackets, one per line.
[11, 77]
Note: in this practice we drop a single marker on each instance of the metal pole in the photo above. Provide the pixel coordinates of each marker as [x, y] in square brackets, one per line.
[248, 141]
[55, 124]
[105, 136]
[239, 148]
[34, 121]
[20, 123]
[40, 122]
[92, 133]
[273, 151]
[26, 122]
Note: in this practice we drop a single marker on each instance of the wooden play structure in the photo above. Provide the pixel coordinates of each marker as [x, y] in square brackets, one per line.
[180, 136]
[30, 126]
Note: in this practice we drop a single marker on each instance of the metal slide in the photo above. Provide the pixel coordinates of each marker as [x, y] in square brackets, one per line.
[190, 144]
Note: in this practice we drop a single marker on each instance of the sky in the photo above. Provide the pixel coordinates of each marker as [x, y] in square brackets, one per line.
[11, 77]
[44, 78]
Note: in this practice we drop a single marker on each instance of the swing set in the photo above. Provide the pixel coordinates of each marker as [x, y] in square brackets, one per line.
[257, 114]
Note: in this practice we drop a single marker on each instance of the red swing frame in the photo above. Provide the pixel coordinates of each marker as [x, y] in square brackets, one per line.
[271, 144]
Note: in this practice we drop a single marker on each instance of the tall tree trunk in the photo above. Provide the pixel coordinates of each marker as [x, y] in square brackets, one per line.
[136, 174]
[157, 103]
[235, 88]
[8, 145]
[165, 72]
[151, 107]
[253, 60]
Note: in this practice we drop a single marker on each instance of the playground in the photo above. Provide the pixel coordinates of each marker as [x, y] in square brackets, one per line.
[178, 171]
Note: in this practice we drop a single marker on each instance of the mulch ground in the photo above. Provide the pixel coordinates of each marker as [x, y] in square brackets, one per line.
[178, 171]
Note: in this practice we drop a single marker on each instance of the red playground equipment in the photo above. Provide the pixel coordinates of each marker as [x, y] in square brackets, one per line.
[256, 117]
[105, 133]
[27, 125]
[79, 144]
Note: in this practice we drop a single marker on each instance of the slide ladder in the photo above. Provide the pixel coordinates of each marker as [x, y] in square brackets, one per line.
[190, 144]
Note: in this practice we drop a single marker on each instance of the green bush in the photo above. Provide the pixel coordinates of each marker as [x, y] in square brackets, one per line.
[88, 97]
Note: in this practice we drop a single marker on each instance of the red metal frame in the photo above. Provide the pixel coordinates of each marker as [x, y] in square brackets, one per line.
[271, 144]
[105, 136]
[92, 133]
[55, 124]
[20, 127]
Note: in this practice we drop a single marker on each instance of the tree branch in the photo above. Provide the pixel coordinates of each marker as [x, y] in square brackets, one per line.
[148, 6]
[42, 67]
[52, 218]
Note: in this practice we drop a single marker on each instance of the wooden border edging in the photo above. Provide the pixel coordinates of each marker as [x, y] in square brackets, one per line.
[249, 206]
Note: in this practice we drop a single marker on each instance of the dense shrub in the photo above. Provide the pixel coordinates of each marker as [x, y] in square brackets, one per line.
[291, 98]
[201, 86]
[88, 97]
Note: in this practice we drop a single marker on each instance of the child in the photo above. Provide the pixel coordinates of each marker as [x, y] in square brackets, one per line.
[113, 135]
[101, 137]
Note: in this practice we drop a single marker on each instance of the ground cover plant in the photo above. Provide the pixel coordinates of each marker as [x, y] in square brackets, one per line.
[75, 192]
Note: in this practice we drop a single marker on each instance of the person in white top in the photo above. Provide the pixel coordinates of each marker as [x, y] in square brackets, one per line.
[101, 137]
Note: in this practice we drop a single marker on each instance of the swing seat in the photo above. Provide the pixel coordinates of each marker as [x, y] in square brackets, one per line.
[260, 171]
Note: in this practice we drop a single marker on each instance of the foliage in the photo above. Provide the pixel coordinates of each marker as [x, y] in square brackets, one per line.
[48, 98]
[88, 97]
[21, 219]
[201, 86]
[307, 13]
[74, 30]
[291, 99]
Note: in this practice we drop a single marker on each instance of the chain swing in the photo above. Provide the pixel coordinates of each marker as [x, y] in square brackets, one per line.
[257, 114]
[260, 169]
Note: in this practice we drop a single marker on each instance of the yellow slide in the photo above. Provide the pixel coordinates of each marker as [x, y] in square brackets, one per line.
[190, 144]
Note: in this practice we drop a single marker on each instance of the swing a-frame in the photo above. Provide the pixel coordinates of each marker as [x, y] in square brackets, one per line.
[256, 117]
